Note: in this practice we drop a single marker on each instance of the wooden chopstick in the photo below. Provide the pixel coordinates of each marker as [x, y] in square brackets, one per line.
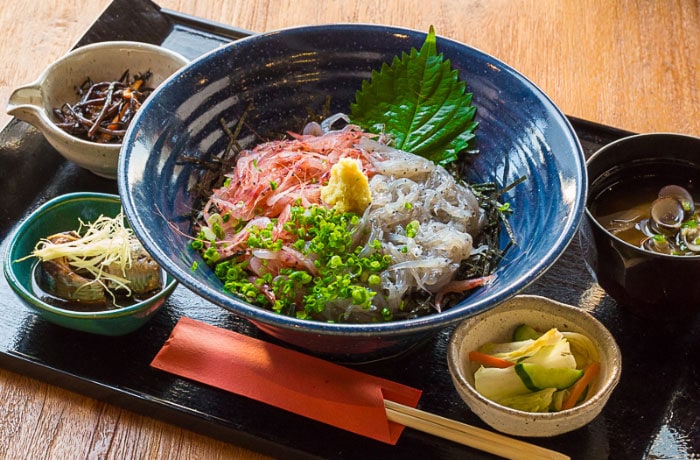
[467, 435]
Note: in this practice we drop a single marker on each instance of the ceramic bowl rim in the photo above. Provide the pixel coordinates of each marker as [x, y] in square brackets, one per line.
[620, 143]
[388, 329]
[604, 390]
[36, 302]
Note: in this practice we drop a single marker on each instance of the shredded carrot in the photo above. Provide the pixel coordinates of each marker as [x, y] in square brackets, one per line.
[137, 84]
[129, 91]
[577, 389]
[117, 118]
[488, 360]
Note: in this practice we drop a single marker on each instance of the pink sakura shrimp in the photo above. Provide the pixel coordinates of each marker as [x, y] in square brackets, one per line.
[274, 176]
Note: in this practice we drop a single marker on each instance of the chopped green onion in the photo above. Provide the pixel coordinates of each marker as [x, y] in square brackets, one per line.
[412, 228]
[324, 235]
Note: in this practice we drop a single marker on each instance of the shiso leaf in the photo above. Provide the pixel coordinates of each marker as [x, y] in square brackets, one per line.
[420, 102]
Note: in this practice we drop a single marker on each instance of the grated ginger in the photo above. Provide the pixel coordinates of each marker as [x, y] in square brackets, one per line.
[348, 187]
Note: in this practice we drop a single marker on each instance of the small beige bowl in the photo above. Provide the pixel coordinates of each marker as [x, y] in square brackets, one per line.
[497, 325]
[104, 61]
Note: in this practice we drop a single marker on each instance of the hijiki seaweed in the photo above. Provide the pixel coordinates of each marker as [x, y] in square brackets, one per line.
[105, 108]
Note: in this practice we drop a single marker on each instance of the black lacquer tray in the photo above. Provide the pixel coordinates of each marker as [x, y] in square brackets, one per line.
[653, 413]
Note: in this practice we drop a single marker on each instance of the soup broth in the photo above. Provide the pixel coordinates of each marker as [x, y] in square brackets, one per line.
[624, 209]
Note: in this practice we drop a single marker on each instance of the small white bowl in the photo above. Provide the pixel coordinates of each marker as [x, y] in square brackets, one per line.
[497, 325]
[103, 61]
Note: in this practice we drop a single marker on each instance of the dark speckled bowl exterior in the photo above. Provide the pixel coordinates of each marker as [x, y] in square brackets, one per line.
[285, 73]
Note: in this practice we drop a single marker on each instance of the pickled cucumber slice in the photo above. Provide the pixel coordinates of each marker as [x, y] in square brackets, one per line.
[536, 377]
[525, 332]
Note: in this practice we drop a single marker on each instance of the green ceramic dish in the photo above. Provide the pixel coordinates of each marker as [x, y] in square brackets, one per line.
[62, 214]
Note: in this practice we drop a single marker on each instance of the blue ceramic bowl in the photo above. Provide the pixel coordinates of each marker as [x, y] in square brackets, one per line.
[284, 74]
[59, 215]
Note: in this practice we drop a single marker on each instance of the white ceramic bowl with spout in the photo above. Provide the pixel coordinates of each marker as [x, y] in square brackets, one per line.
[103, 61]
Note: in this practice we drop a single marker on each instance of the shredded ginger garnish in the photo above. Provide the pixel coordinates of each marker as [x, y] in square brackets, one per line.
[103, 243]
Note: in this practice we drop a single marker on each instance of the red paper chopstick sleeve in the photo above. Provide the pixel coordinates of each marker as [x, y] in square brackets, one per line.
[296, 382]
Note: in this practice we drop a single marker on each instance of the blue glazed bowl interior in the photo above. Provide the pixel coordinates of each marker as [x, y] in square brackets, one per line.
[281, 76]
[59, 215]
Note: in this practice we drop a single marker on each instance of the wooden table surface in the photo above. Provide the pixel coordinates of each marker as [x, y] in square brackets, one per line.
[634, 64]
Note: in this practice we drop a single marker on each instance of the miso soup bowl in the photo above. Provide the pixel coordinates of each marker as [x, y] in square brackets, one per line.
[58, 215]
[281, 76]
[103, 61]
[650, 285]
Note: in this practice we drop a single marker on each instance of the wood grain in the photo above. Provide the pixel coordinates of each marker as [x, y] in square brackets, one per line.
[634, 64]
